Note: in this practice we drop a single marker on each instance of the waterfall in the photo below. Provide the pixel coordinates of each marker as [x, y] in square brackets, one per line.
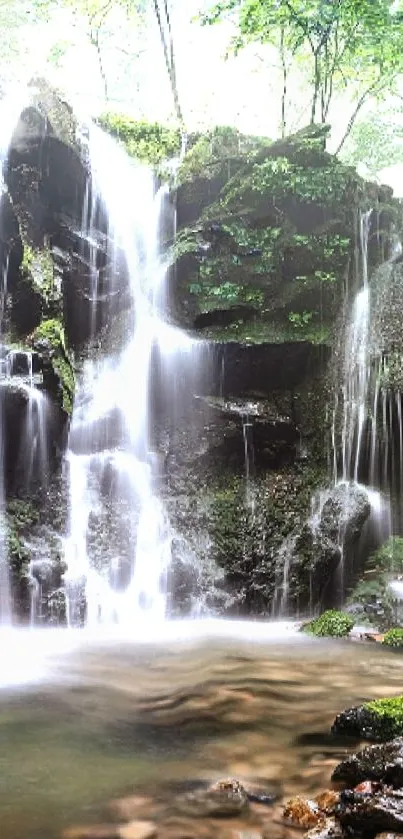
[356, 367]
[118, 548]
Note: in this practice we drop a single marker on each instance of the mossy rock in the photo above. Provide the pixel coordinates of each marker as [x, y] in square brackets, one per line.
[267, 237]
[58, 371]
[379, 720]
[332, 623]
[149, 142]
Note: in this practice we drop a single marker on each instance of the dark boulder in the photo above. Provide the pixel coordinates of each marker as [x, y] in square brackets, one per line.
[380, 720]
[375, 763]
[368, 814]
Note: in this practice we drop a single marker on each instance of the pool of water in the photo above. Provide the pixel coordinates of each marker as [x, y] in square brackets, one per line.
[86, 719]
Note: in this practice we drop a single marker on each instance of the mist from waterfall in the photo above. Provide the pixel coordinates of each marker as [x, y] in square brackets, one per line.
[113, 470]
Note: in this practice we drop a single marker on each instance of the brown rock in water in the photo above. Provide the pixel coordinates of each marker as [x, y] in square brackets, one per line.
[303, 813]
[91, 831]
[137, 830]
[327, 801]
[223, 798]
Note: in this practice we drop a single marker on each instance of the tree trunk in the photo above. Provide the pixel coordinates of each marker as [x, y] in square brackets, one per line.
[284, 90]
[169, 55]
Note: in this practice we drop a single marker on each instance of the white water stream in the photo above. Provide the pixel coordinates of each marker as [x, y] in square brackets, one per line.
[117, 475]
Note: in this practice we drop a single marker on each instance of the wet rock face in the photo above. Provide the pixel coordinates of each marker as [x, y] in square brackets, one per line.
[376, 763]
[47, 175]
[369, 814]
[314, 553]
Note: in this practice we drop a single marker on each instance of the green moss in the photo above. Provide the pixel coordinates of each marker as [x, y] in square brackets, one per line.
[391, 707]
[49, 339]
[279, 177]
[52, 332]
[331, 623]
[38, 263]
[394, 637]
[149, 142]
[20, 516]
[386, 717]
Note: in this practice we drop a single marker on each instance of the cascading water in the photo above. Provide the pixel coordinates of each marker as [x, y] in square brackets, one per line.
[356, 368]
[112, 467]
[367, 451]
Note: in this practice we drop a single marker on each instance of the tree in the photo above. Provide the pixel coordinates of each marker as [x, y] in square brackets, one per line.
[375, 142]
[163, 15]
[101, 21]
[336, 42]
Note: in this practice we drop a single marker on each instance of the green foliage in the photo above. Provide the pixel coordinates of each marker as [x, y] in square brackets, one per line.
[376, 142]
[372, 594]
[331, 623]
[146, 141]
[300, 319]
[280, 177]
[394, 638]
[20, 516]
[356, 41]
[221, 143]
[52, 332]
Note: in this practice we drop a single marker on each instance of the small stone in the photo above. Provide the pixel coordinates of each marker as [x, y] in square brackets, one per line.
[330, 829]
[303, 813]
[91, 831]
[223, 798]
[137, 830]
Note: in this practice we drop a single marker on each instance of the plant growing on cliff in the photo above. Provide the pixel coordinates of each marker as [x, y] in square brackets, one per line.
[339, 43]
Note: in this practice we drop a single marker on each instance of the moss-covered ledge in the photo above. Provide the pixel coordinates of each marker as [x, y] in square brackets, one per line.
[149, 142]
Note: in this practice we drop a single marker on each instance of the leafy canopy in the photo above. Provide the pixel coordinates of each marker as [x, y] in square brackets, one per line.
[338, 42]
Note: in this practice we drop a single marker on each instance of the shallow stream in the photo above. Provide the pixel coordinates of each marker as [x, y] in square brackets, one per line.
[85, 720]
